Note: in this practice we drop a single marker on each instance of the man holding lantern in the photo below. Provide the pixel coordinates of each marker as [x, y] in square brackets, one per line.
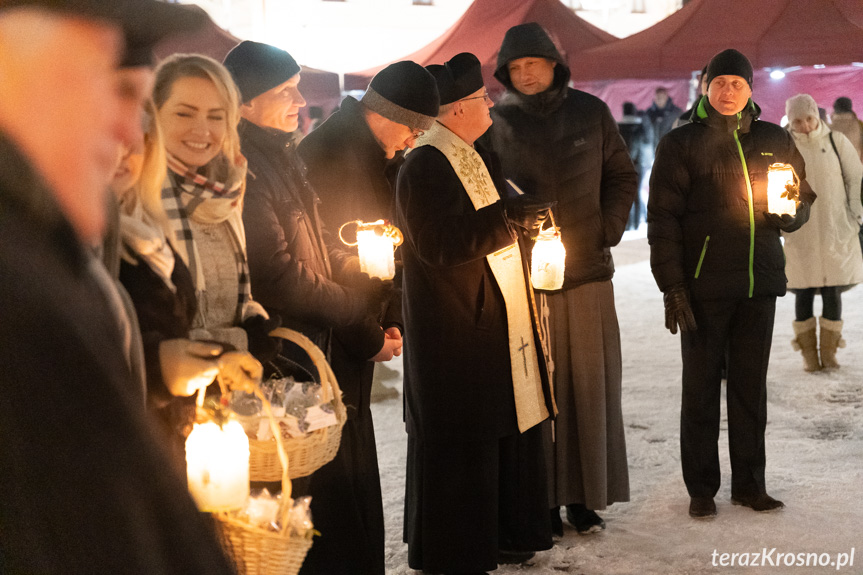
[716, 256]
[476, 386]
[316, 288]
[560, 144]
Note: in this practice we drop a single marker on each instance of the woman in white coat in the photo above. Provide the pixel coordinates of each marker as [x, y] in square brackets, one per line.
[824, 255]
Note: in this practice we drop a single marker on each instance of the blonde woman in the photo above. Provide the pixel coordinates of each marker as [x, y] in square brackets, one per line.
[161, 289]
[197, 105]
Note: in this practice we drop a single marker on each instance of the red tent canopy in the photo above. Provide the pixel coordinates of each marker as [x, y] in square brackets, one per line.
[772, 33]
[320, 88]
[482, 27]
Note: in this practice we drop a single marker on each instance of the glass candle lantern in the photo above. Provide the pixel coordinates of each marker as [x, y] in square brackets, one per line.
[217, 465]
[376, 244]
[547, 260]
[778, 177]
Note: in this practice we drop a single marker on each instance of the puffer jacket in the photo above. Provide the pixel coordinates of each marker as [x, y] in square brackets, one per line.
[826, 252]
[295, 270]
[563, 145]
[708, 194]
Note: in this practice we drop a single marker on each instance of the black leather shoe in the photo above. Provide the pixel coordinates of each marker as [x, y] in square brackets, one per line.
[702, 507]
[584, 520]
[760, 502]
[513, 557]
[556, 522]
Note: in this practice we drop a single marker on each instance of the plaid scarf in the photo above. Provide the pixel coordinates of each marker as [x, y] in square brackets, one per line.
[188, 195]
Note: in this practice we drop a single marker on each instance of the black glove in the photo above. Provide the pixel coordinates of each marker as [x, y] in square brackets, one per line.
[261, 345]
[526, 211]
[377, 293]
[787, 222]
[678, 312]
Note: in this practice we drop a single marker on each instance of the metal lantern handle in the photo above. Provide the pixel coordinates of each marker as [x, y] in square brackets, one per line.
[381, 228]
[551, 219]
[342, 227]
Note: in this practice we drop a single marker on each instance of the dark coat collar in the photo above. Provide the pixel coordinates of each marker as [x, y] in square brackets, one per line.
[26, 196]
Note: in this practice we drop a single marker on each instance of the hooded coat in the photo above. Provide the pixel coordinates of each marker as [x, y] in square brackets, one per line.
[563, 145]
[826, 251]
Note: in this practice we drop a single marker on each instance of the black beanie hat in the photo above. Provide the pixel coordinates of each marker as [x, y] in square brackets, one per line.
[405, 93]
[461, 76]
[730, 63]
[258, 67]
[144, 22]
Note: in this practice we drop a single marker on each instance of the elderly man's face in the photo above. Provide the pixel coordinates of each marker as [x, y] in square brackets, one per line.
[394, 137]
[278, 107]
[531, 75]
[728, 94]
[477, 117]
[62, 105]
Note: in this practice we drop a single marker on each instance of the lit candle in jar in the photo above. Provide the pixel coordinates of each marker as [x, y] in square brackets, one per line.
[217, 466]
[376, 244]
[547, 260]
[778, 177]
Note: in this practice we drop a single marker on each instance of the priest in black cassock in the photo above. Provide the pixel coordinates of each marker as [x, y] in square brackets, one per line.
[476, 385]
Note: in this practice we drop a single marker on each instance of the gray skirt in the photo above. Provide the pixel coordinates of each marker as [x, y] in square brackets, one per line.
[586, 446]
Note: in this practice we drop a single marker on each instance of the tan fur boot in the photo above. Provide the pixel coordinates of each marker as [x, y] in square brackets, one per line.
[831, 338]
[806, 342]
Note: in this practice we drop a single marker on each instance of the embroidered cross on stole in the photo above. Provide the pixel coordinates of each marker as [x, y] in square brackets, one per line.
[506, 266]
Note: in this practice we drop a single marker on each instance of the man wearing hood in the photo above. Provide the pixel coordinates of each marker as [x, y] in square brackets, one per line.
[716, 255]
[563, 145]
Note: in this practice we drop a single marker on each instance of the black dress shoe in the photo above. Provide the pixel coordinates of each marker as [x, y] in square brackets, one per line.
[584, 520]
[505, 557]
[556, 522]
[760, 502]
[702, 507]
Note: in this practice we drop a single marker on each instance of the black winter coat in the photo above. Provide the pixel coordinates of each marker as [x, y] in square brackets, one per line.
[85, 486]
[295, 269]
[576, 157]
[458, 379]
[704, 228]
[349, 170]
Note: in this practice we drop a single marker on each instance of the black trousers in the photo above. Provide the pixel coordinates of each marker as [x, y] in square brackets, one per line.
[742, 329]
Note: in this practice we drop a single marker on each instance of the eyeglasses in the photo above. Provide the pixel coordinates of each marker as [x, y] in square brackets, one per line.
[485, 97]
[416, 134]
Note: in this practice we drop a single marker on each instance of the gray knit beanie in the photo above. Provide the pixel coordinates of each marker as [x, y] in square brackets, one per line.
[405, 93]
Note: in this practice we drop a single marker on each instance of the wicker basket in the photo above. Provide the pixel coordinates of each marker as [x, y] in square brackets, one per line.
[257, 551]
[317, 448]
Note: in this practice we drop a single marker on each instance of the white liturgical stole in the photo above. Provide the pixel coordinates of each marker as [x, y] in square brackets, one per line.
[506, 266]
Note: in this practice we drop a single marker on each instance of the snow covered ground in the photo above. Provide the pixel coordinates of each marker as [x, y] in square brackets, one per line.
[814, 458]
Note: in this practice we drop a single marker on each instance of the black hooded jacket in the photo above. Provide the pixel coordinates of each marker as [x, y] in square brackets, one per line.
[563, 145]
[708, 195]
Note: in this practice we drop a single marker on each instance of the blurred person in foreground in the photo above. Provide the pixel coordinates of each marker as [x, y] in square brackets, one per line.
[824, 256]
[716, 255]
[86, 486]
[476, 385]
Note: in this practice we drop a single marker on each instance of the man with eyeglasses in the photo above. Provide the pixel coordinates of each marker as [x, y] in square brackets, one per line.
[352, 159]
[560, 144]
[476, 386]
